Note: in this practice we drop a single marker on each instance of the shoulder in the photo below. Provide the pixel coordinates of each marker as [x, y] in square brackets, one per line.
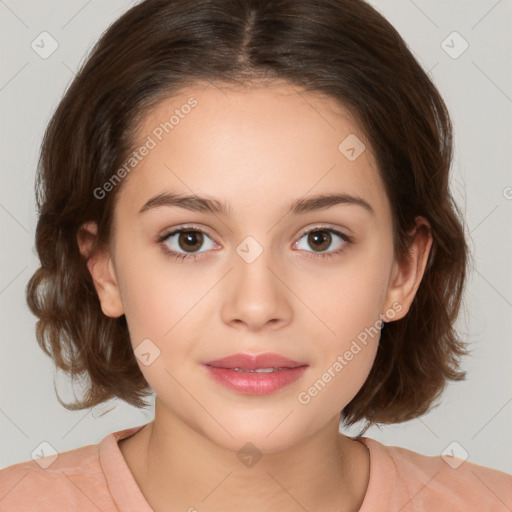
[439, 483]
[54, 481]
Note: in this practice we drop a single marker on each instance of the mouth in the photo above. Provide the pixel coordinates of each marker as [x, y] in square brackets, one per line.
[257, 370]
[260, 374]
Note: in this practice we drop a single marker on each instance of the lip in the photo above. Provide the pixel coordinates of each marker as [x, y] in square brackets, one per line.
[254, 362]
[286, 371]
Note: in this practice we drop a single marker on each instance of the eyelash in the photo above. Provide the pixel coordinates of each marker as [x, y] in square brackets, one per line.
[195, 256]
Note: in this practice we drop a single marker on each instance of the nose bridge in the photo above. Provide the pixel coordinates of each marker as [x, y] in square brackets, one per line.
[253, 264]
[255, 294]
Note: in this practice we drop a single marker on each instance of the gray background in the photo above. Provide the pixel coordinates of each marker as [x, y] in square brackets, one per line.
[477, 86]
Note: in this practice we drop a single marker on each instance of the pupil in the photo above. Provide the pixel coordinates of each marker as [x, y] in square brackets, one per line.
[192, 238]
[319, 236]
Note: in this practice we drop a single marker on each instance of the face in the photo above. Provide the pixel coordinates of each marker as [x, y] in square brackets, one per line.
[309, 284]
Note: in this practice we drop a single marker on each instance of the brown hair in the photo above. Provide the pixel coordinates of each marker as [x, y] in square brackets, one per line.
[340, 48]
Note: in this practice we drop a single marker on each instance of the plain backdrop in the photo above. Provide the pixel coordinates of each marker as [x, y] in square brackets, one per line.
[477, 85]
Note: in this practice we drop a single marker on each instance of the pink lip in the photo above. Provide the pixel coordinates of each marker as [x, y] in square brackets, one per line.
[253, 362]
[223, 371]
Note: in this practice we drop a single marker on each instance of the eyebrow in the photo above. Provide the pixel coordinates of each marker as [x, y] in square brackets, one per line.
[300, 206]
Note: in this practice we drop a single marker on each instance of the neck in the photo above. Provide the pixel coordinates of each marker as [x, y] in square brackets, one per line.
[176, 465]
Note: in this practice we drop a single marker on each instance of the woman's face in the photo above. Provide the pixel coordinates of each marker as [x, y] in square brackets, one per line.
[259, 283]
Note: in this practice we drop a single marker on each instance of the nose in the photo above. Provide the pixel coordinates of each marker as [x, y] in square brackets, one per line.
[255, 294]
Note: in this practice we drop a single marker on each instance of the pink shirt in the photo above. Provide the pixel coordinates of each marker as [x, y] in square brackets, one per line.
[96, 478]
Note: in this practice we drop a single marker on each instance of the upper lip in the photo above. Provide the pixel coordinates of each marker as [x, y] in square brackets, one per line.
[254, 362]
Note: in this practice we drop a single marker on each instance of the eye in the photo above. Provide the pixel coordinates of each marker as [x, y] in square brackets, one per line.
[321, 238]
[187, 239]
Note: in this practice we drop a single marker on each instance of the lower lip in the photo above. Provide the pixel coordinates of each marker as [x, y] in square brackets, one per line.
[256, 383]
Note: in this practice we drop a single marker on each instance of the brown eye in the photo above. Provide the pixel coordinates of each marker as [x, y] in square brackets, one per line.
[190, 240]
[319, 240]
[187, 241]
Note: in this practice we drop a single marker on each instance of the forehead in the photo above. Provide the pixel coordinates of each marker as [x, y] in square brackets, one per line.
[252, 144]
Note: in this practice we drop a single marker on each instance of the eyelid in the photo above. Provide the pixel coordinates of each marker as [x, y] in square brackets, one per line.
[183, 227]
[326, 226]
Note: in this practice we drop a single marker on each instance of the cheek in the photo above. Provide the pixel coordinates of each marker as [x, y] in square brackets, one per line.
[349, 305]
[348, 297]
[156, 293]
[345, 352]
[335, 383]
[163, 313]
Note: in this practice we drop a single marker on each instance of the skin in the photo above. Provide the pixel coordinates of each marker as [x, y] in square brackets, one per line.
[258, 149]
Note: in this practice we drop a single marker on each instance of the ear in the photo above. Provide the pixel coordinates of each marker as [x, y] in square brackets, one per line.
[102, 271]
[407, 273]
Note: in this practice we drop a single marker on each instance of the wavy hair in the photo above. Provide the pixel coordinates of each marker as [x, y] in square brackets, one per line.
[344, 49]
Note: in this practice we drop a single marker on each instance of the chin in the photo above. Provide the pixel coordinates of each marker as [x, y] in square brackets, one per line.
[268, 435]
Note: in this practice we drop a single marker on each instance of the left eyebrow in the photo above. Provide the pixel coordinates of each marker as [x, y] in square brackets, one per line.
[297, 207]
[325, 201]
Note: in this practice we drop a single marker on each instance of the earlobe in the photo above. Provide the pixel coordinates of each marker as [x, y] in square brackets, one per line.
[101, 268]
[408, 272]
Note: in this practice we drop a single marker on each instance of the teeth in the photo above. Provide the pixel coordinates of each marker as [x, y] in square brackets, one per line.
[259, 370]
